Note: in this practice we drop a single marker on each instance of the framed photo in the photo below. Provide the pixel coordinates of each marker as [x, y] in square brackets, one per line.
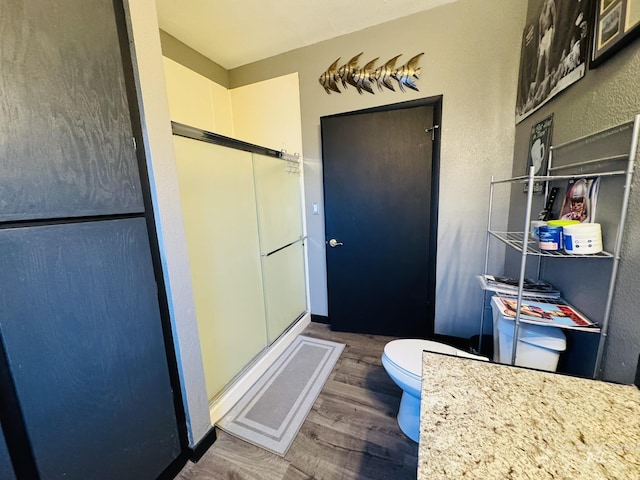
[617, 23]
[539, 146]
[555, 51]
[580, 200]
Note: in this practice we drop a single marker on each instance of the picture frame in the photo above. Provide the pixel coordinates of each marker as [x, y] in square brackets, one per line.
[555, 51]
[538, 155]
[580, 200]
[616, 24]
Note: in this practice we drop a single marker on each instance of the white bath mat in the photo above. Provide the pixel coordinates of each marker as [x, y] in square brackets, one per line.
[270, 414]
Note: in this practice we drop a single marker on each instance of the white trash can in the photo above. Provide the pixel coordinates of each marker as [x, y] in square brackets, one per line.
[539, 346]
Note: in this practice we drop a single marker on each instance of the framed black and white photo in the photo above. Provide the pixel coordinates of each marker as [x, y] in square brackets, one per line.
[555, 48]
[617, 23]
[539, 147]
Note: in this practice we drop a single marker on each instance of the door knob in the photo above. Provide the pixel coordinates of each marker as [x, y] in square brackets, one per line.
[334, 243]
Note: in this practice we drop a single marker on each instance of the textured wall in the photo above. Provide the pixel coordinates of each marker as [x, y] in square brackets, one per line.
[163, 177]
[606, 96]
[187, 56]
[471, 58]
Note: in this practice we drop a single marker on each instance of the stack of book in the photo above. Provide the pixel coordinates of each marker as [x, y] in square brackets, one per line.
[541, 303]
[509, 286]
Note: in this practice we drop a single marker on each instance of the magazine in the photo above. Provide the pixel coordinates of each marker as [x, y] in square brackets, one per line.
[580, 200]
[556, 312]
[509, 286]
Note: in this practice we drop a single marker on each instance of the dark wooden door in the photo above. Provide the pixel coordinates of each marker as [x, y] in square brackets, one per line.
[379, 203]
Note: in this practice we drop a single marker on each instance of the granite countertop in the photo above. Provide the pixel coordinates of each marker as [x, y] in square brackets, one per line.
[482, 420]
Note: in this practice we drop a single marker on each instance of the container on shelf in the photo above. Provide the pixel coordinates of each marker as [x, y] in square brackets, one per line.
[535, 228]
[563, 223]
[538, 346]
[550, 237]
[584, 238]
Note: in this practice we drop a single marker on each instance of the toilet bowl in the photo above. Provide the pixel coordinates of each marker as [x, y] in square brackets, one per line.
[402, 359]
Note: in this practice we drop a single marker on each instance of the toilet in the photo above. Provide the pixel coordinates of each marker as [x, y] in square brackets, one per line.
[402, 359]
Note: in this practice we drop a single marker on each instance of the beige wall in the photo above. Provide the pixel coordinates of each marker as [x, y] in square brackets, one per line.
[197, 101]
[472, 51]
[268, 113]
[264, 113]
[156, 127]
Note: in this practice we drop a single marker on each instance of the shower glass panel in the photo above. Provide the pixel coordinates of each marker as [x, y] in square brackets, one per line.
[219, 209]
[278, 202]
[279, 209]
[284, 293]
[243, 221]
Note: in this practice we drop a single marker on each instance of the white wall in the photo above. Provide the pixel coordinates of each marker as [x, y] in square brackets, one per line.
[267, 113]
[197, 101]
[152, 99]
[472, 52]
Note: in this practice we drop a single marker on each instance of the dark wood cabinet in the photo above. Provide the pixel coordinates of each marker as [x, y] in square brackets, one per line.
[82, 332]
[6, 469]
[67, 144]
[84, 342]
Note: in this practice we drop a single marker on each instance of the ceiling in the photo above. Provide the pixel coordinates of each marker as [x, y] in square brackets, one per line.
[233, 33]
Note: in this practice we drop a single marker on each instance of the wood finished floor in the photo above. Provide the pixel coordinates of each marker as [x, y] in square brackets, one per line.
[350, 433]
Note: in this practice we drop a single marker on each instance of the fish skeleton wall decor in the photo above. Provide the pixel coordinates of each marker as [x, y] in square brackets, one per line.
[363, 78]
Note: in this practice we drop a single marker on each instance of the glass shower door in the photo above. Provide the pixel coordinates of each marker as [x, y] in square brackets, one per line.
[219, 209]
[279, 207]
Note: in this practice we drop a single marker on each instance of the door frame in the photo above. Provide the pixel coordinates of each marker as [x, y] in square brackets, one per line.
[436, 103]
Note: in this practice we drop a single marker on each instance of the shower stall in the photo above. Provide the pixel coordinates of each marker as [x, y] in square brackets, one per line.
[243, 217]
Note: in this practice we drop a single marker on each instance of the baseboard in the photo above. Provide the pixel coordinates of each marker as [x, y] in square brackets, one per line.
[175, 467]
[194, 454]
[320, 319]
[230, 397]
[202, 446]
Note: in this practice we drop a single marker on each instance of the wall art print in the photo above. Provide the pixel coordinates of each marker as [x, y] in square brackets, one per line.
[555, 47]
[539, 148]
[617, 23]
[363, 79]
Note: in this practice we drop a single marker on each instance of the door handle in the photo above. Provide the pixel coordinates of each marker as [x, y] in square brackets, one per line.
[334, 243]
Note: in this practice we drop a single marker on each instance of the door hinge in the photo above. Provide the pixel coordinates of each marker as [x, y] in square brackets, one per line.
[135, 144]
[432, 130]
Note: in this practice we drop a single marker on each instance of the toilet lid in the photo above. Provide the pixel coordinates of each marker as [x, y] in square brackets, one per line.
[407, 353]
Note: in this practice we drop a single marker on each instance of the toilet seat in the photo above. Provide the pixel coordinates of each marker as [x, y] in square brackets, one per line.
[406, 354]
